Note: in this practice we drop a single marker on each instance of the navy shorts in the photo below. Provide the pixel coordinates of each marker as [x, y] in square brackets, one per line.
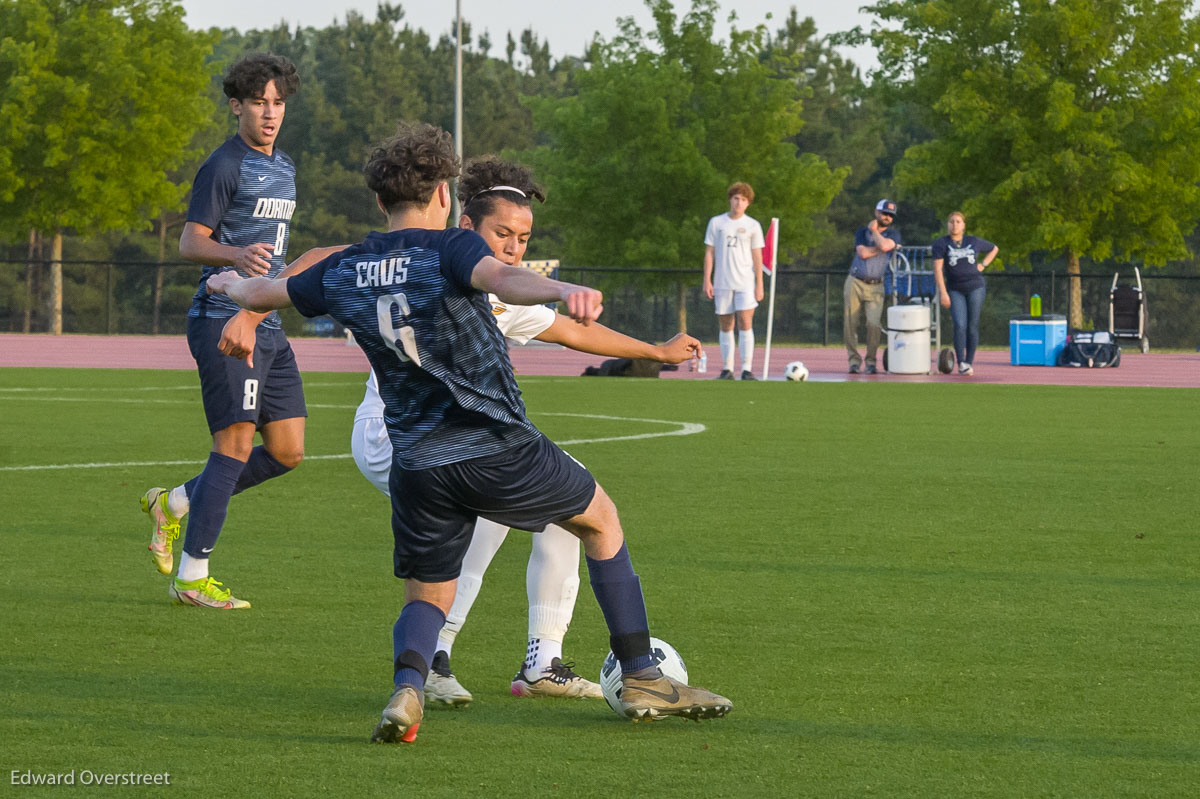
[232, 391]
[434, 510]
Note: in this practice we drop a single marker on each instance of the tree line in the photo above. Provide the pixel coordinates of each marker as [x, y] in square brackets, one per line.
[1063, 129]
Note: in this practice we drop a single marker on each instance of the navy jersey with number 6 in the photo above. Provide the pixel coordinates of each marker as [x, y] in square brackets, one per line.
[246, 197]
[444, 374]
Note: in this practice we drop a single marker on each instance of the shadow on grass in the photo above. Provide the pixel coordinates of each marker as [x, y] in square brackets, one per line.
[1114, 748]
[960, 576]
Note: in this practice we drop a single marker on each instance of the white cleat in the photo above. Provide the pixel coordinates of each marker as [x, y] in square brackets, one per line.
[442, 686]
[558, 679]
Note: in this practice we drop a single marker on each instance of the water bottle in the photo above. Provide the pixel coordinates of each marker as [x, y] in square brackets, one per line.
[703, 361]
[1035, 305]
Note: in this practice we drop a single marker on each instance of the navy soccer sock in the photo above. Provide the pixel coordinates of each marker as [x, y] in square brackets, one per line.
[414, 639]
[619, 592]
[260, 468]
[210, 503]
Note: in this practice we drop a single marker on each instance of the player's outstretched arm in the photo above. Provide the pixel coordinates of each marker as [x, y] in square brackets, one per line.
[240, 333]
[257, 294]
[600, 340]
[310, 258]
[525, 287]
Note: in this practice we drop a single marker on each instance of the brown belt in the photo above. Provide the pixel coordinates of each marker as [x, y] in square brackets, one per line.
[869, 281]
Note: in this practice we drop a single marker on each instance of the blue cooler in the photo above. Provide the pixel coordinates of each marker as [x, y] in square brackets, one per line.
[1037, 340]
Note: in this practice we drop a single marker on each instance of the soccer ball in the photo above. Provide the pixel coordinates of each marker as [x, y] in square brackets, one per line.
[796, 370]
[665, 657]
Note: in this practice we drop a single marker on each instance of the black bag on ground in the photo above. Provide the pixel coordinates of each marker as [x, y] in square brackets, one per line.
[1094, 350]
[625, 367]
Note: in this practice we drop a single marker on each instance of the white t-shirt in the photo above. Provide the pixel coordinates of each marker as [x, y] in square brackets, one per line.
[733, 242]
[517, 322]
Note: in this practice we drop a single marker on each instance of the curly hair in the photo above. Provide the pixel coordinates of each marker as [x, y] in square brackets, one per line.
[249, 77]
[742, 189]
[477, 189]
[407, 168]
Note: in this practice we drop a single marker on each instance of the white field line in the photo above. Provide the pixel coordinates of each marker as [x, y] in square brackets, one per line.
[683, 429]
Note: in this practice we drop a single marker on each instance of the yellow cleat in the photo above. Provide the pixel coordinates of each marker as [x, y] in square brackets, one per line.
[166, 528]
[206, 593]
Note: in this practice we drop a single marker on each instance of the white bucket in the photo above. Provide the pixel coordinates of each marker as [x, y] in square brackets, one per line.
[908, 339]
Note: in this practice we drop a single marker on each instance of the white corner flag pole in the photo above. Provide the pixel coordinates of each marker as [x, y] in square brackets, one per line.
[771, 302]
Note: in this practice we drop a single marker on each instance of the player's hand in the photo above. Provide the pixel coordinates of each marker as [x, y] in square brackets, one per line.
[873, 225]
[679, 349]
[758, 292]
[238, 337]
[254, 259]
[944, 299]
[218, 283]
[584, 305]
[708, 289]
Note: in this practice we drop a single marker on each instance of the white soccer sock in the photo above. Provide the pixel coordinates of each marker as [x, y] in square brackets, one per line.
[552, 584]
[538, 654]
[725, 338]
[178, 503]
[485, 541]
[192, 569]
[746, 348]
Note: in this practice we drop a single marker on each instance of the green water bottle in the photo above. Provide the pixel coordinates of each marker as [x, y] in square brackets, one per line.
[1035, 305]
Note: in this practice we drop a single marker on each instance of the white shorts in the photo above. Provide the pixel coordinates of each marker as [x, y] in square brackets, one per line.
[728, 301]
[372, 451]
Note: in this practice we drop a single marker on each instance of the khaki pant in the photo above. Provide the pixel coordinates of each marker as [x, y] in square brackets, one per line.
[866, 300]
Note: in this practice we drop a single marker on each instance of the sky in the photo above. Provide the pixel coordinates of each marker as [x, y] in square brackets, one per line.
[566, 24]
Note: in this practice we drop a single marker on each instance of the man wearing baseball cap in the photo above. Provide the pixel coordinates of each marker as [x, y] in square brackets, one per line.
[863, 293]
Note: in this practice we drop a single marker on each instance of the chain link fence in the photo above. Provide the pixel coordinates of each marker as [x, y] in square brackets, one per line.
[149, 298]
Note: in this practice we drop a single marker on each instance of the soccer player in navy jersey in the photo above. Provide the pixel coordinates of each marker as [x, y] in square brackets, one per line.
[238, 220]
[497, 197]
[415, 298]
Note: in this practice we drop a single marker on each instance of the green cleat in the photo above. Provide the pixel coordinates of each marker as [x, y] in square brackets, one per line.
[206, 593]
[166, 528]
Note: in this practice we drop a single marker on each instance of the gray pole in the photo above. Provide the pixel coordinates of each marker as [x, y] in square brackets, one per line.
[458, 148]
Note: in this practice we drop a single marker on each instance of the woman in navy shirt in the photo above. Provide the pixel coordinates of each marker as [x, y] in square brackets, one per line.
[958, 260]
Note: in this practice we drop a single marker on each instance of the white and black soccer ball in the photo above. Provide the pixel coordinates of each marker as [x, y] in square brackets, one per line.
[796, 370]
[665, 657]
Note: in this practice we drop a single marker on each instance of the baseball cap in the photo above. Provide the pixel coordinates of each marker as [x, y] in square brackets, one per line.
[887, 207]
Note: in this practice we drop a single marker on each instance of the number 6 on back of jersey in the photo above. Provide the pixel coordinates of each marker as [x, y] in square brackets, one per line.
[401, 340]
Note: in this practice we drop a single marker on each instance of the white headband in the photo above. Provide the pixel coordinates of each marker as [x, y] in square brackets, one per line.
[513, 189]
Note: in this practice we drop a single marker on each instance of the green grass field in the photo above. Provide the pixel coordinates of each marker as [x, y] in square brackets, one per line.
[907, 590]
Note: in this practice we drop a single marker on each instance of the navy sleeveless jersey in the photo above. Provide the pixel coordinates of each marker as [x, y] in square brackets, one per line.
[444, 375]
[246, 197]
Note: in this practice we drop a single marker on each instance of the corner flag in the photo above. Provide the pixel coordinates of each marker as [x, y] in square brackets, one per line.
[769, 247]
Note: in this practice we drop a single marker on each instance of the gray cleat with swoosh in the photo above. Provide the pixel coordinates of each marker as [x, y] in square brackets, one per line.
[662, 696]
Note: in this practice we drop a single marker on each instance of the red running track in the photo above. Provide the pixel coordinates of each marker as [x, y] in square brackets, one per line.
[1160, 370]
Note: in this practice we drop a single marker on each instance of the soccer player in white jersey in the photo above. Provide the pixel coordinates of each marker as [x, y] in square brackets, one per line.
[733, 249]
[415, 298]
[496, 197]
